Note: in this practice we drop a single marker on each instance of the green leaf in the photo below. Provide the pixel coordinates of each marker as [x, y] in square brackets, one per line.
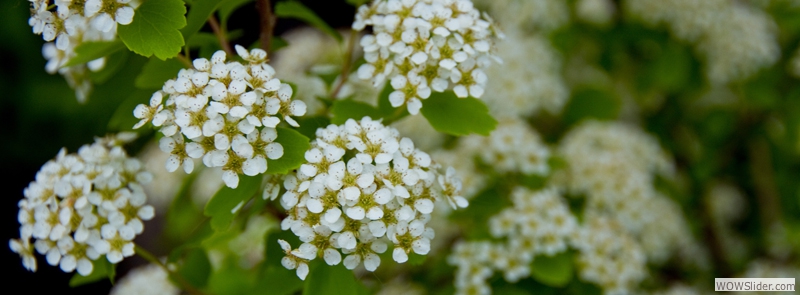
[221, 206]
[357, 3]
[533, 181]
[351, 109]
[457, 116]
[591, 103]
[232, 279]
[199, 13]
[299, 11]
[309, 125]
[279, 281]
[114, 62]
[202, 39]
[554, 271]
[156, 72]
[89, 51]
[123, 119]
[275, 277]
[183, 218]
[671, 70]
[195, 267]
[487, 203]
[101, 269]
[334, 280]
[416, 259]
[295, 146]
[155, 29]
[383, 100]
[277, 43]
[578, 287]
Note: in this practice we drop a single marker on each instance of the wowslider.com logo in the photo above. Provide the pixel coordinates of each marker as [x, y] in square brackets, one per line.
[754, 284]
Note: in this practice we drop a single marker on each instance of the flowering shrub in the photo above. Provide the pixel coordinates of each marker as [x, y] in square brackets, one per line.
[402, 146]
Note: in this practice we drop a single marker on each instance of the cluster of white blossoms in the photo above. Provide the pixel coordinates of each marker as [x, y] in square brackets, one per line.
[512, 147]
[614, 165]
[421, 46]
[363, 186]
[735, 38]
[223, 112]
[539, 223]
[529, 78]
[84, 206]
[609, 256]
[65, 24]
[148, 279]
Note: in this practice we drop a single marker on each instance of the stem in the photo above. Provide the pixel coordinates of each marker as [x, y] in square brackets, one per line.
[267, 23]
[348, 62]
[183, 59]
[186, 52]
[223, 39]
[142, 252]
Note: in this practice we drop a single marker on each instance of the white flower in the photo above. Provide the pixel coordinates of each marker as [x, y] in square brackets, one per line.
[359, 181]
[291, 261]
[223, 112]
[418, 45]
[24, 249]
[83, 206]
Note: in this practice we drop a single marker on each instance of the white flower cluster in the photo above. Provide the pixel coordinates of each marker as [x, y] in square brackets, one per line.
[735, 39]
[228, 111]
[421, 46]
[83, 206]
[529, 78]
[614, 166]
[65, 24]
[539, 223]
[609, 256]
[148, 279]
[363, 186]
[512, 147]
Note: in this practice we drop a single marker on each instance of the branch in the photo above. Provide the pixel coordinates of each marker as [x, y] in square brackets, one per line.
[348, 62]
[185, 61]
[267, 23]
[223, 39]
